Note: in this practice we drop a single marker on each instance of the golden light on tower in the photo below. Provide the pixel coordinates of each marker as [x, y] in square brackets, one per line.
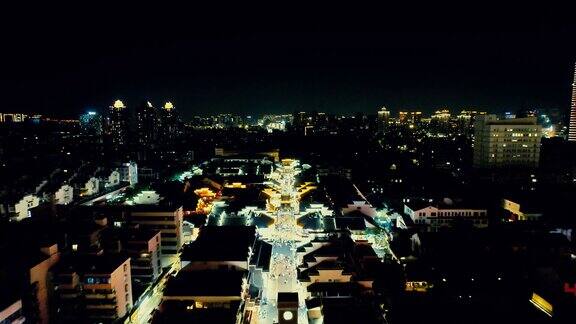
[118, 104]
[168, 106]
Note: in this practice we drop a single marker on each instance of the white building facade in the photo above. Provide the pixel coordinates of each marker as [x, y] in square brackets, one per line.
[506, 142]
[437, 217]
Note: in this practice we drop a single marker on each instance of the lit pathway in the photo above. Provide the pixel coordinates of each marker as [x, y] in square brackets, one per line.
[283, 259]
[143, 313]
[284, 236]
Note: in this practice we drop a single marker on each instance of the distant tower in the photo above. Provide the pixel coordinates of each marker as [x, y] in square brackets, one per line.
[572, 125]
[91, 125]
[383, 118]
[146, 124]
[169, 123]
[118, 123]
[506, 143]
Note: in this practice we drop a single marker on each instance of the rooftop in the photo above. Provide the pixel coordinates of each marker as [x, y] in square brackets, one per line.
[262, 255]
[221, 243]
[445, 203]
[140, 234]
[205, 283]
[354, 223]
[91, 264]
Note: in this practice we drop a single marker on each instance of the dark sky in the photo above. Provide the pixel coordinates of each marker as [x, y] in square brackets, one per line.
[56, 61]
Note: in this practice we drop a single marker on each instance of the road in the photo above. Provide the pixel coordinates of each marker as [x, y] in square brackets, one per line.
[151, 300]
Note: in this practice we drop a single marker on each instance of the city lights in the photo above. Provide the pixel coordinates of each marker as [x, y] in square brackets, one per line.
[155, 175]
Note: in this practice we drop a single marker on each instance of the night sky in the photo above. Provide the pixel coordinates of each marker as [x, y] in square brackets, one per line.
[57, 61]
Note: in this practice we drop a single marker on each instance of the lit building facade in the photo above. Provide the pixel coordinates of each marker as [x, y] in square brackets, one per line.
[506, 142]
[112, 180]
[23, 206]
[12, 117]
[572, 125]
[12, 313]
[410, 117]
[442, 115]
[64, 195]
[93, 289]
[118, 123]
[146, 124]
[91, 187]
[383, 119]
[466, 119]
[91, 125]
[437, 215]
[169, 120]
[168, 221]
[39, 282]
[145, 255]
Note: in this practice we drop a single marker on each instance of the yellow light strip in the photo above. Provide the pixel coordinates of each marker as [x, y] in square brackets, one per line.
[542, 304]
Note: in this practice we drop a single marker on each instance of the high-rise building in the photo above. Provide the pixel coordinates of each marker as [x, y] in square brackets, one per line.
[410, 117]
[169, 129]
[442, 115]
[91, 125]
[383, 118]
[506, 142]
[13, 117]
[118, 123]
[93, 288]
[146, 124]
[465, 120]
[309, 123]
[572, 125]
[167, 220]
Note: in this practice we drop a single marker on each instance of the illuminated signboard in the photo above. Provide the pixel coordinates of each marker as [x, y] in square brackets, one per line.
[570, 290]
[542, 304]
[418, 286]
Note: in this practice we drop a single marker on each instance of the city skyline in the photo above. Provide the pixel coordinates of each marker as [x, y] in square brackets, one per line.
[227, 66]
[324, 96]
[286, 165]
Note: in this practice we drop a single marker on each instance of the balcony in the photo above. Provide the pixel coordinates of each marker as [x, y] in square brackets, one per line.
[103, 313]
[100, 296]
[100, 291]
[102, 306]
